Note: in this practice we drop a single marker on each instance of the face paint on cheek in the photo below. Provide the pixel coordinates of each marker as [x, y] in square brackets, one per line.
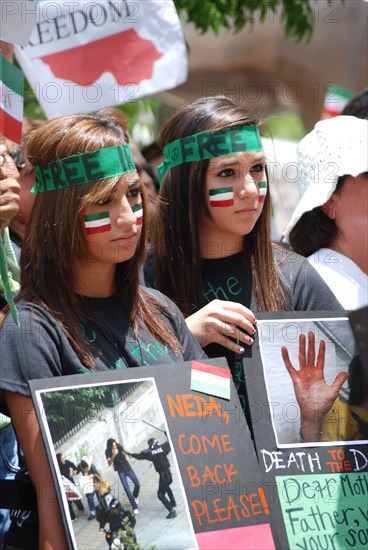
[224, 196]
[262, 191]
[97, 223]
[138, 212]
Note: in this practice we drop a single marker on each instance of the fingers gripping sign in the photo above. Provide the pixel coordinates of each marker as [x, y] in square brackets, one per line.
[315, 397]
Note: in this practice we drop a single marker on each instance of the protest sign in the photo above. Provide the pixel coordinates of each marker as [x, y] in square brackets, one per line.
[320, 475]
[83, 56]
[17, 19]
[216, 477]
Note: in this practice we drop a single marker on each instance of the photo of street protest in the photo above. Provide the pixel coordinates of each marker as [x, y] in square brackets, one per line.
[119, 479]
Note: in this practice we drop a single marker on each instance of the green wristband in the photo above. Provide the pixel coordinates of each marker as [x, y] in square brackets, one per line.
[208, 145]
[84, 168]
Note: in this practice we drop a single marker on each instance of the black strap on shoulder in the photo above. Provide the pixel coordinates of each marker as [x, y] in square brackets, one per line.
[17, 495]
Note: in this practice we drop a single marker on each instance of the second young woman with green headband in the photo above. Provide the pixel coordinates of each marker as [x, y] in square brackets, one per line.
[81, 307]
[213, 256]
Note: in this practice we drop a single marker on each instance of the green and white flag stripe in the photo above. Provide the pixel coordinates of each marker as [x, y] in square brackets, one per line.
[223, 196]
[96, 223]
[138, 212]
[262, 186]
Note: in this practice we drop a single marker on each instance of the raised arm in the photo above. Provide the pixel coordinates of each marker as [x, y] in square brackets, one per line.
[52, 534]
[219, 320]
[314, 396]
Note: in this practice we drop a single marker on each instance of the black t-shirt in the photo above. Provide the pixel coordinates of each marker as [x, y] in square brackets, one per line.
[40, 349]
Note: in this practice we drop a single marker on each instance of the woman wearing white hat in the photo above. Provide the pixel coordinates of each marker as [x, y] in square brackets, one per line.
[330, 222]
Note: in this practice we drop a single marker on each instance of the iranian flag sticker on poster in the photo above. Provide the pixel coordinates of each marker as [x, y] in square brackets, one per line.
[84, 56]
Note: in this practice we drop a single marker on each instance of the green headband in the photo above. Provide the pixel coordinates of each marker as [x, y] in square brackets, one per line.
[84, 168]
[207, 145]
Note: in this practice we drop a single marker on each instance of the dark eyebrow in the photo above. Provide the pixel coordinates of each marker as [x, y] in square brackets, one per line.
[133, 179]
[225, 163]
[137, 180]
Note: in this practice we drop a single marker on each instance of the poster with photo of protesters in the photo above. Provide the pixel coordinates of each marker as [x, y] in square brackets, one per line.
[165, 451]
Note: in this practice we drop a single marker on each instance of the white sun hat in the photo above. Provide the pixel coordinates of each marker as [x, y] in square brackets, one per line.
[335, 147]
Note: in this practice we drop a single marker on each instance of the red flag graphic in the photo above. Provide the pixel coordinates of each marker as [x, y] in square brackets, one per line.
[127, 56]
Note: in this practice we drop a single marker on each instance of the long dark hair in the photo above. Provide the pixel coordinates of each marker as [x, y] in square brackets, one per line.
[55, 237]
[314, 230]
[109, 444]
[182, 200]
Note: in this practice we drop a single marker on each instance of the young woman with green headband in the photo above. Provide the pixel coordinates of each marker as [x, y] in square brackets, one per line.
[213, 255]
[81, 307]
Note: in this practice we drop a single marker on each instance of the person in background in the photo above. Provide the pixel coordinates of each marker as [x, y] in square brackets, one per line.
[358, 105]
[213, 251]
[153, 155]
[68, 469]
[145, 173]
[89, 476]
[17, 226]
[330, 223]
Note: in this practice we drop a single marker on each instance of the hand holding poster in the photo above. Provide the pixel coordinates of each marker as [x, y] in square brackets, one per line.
[84, 56]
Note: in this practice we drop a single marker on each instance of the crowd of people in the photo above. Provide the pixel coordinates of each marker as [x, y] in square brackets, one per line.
[84, 483]
[109, 266]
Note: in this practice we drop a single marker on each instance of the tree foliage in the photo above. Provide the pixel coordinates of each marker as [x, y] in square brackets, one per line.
[297, 16]
[66, 409]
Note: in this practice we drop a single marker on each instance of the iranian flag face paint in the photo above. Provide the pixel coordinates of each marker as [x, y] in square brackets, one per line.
[262, 191]
[224, 196]
[97, 223]
[138, 212]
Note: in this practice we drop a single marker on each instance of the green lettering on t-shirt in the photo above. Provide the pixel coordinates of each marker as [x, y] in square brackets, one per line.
[232, 288]
[88, 339]
[120, 364]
